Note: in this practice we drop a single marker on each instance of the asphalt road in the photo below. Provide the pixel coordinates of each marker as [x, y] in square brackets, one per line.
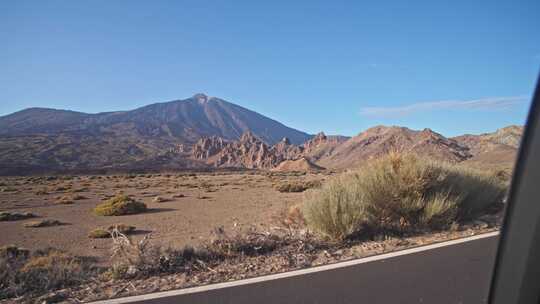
[458, 273]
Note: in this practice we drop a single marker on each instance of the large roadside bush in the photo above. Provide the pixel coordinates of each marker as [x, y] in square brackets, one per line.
[398, 193]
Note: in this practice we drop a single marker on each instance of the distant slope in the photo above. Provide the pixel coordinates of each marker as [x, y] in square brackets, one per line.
[298, 165]
[380, 140]
[184, 120]
[321, 145]
[496, 150]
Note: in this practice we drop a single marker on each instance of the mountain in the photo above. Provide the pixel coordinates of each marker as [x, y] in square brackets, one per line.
[183, 120]
[204, 132]
[382, 139]
[157, 136]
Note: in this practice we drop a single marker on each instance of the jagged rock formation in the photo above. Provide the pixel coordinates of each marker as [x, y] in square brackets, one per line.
[248, 152]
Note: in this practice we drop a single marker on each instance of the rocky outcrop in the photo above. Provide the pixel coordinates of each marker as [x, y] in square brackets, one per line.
[322, 145]
[248, 152]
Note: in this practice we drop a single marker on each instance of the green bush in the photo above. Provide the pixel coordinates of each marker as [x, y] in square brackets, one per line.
[398, 193]
[120, 205]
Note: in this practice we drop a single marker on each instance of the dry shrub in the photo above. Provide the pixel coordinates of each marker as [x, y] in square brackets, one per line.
[398, 193]
[131, 259]
[41, 192]
[293, 217]
[297, 186]
[42, 223]
[336, 210]
[65, 201]
[120, 205]
[77, 197]
[44, 270]
[15, 216]
[251, 243]
[140, 259]
[8, 189]
[103, 233]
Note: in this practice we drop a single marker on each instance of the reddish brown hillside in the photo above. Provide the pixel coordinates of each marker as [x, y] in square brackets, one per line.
[299, 165]
[381, 139]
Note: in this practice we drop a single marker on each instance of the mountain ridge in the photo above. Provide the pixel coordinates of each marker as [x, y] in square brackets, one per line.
[204, 132]
[187, 120]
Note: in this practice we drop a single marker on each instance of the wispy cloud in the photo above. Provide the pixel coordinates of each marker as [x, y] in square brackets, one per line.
[492, 103]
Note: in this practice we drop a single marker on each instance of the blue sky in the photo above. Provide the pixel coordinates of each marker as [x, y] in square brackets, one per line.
[337, 66]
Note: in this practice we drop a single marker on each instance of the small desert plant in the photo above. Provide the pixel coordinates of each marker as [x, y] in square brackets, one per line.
[130, 259]
[41, 192]
[65, 201]
[8, 189]
[102, 233]
[297, 186]
[120, 205]
[42, 223]
[398, 193]
[15, 216]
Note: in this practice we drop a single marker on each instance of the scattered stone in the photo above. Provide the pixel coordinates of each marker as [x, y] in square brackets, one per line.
[159, 199]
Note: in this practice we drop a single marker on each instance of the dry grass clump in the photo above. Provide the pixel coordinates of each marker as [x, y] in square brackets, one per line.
[41, 192]
[140, 259]
[398, 193]
[15, 216]
[43, 223]
[39, 272]
[77, 197]
[65, 201]
[8, 189]
[297, 186]
[102, 233]
[120, 205]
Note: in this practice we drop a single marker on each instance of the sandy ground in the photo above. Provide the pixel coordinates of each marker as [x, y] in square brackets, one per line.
[230, 200]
